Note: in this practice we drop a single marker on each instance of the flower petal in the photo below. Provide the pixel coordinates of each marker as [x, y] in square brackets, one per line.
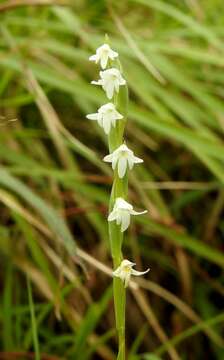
[103, 60]
[116, 85]
[127, 279]
[113, 121]
[108, 158]
[114, 161]
[100, 120]
[118, 115]
[130, 162]
[106, 126]
[122, 167]
[98, 82]
[113, 54]
[139, 273]
[137, 160]
[109, 88]
[112, 216]
[125, 221]
[123, 204]
[92, 116]
[133, 212]
[117, 272]
[93, 58]
[118, 219]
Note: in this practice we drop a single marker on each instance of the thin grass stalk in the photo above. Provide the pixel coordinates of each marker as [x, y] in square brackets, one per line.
[33, 321]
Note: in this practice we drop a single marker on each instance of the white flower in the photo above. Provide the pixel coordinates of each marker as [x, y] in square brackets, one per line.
[103, 53]
[110, 80]
[124, 271]
[106, 116]
[122, 157]
[122, 212]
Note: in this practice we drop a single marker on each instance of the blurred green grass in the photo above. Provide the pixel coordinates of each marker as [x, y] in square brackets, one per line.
[54, 187]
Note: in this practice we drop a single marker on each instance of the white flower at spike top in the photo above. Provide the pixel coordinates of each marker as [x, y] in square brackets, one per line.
[106, 117]
[125, 270]
[123, 158]
[110, 80]
[103, 54]
[122, 212]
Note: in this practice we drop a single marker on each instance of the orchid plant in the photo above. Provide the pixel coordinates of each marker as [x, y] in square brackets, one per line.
[112, 118]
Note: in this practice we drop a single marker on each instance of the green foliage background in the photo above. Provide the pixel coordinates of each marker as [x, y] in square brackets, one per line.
[54, 187]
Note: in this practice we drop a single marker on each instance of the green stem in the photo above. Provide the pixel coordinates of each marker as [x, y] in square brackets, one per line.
[116, 239]
[119, 189]
[119, 303]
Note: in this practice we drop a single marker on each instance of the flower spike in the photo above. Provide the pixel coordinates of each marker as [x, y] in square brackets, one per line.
[123, 158]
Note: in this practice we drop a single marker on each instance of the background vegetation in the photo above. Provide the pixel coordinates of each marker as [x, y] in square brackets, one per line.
[56, 296]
